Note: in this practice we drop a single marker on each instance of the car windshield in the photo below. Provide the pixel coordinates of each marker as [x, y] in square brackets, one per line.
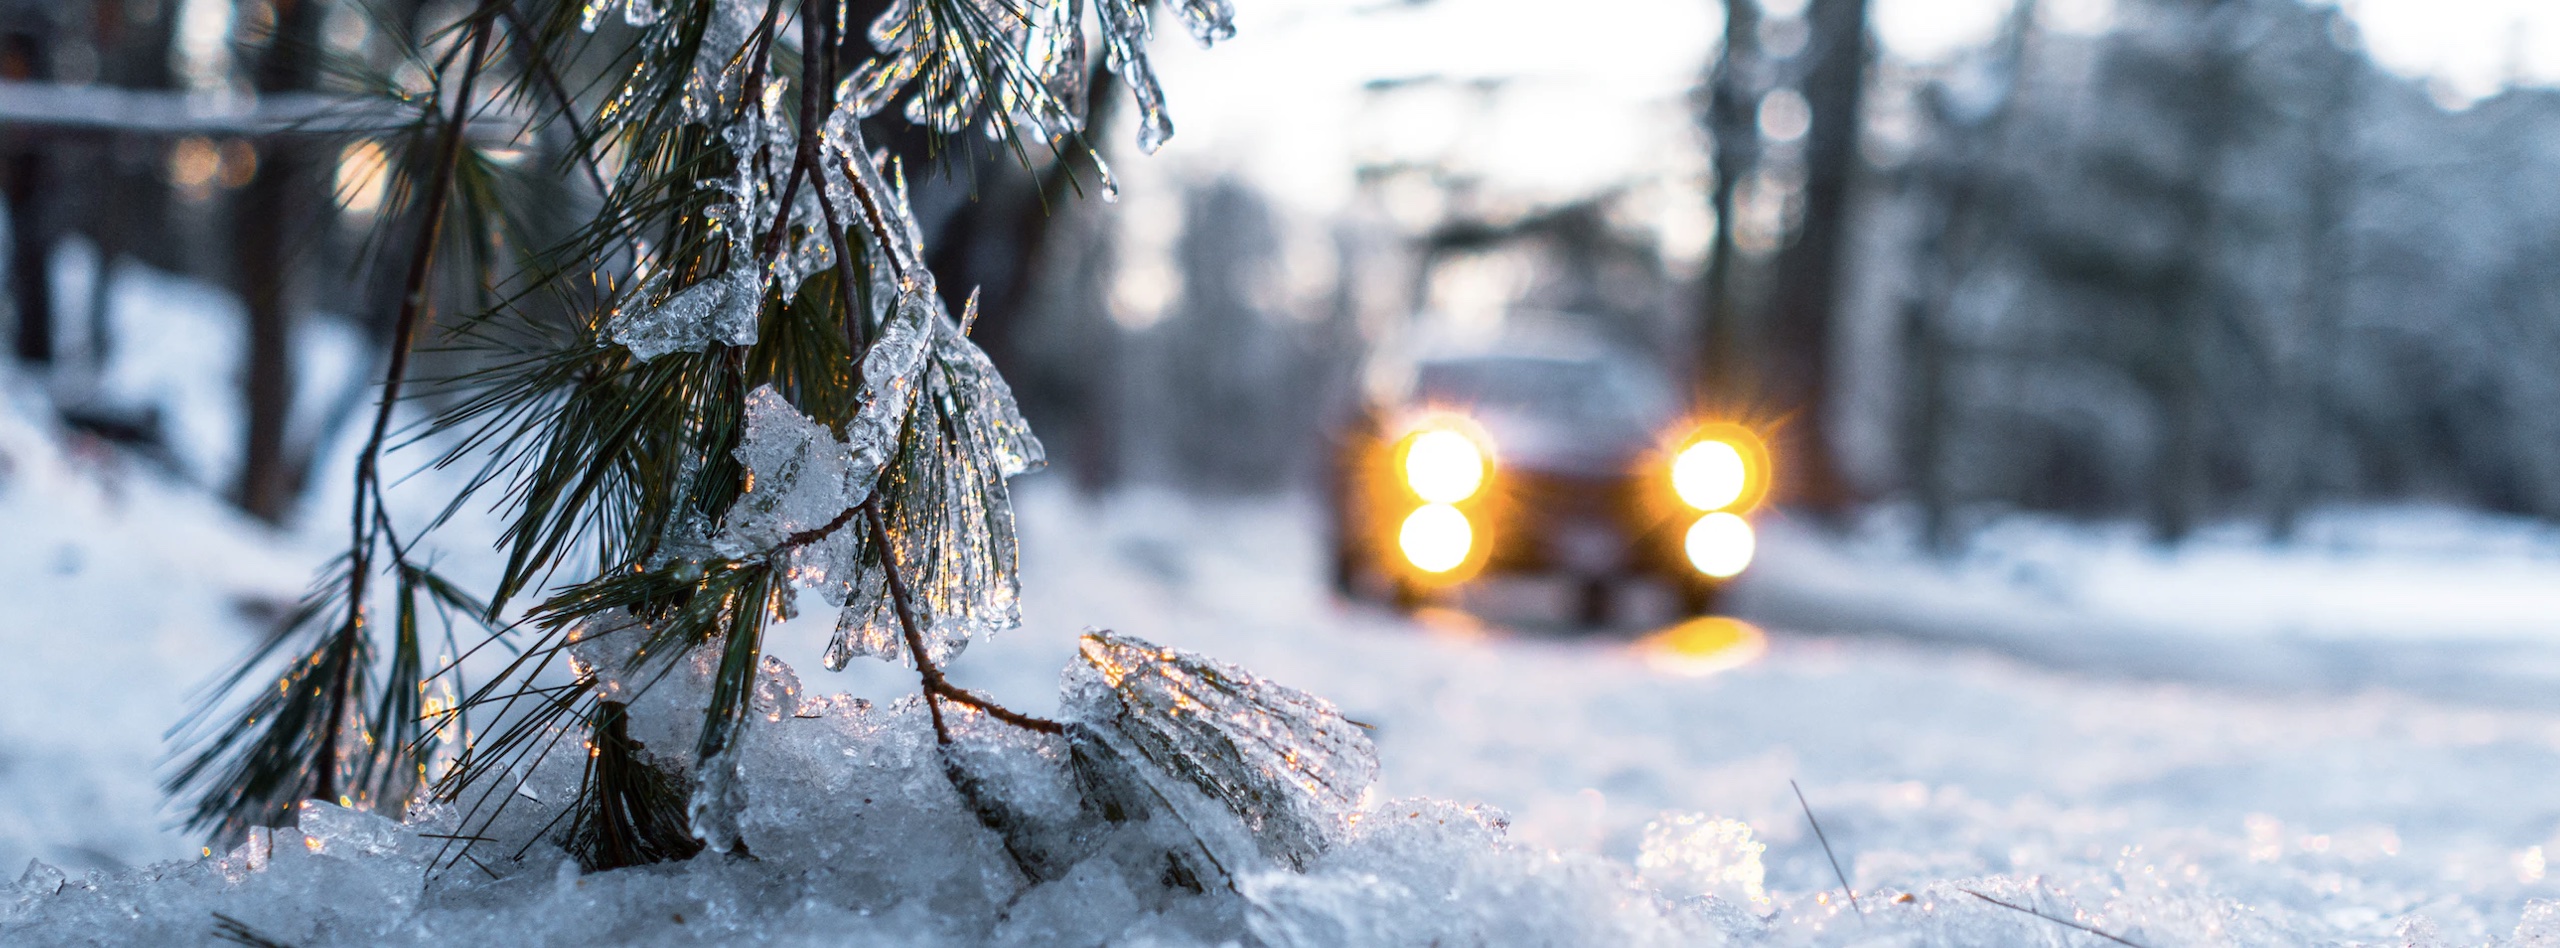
[1575, 393]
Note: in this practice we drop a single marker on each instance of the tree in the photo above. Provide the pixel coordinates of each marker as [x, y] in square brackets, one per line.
[749, 382]
[1806, 296]
[278, 211]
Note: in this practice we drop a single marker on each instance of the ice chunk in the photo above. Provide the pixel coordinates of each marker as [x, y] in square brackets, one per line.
[330, 829]
[719, 795]
[777, 693]
[1019, 784]
[1695, 854]
[1282, 760]
[800, 477]
[41, 879]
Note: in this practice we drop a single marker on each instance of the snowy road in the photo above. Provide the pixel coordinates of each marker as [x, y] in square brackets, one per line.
[2295, 813]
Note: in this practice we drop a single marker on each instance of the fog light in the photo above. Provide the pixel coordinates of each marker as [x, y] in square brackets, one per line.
[1710, 475]
[1719, 545]
[1436, 538]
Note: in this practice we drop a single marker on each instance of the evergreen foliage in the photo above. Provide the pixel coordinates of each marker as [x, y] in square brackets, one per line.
[734, 379]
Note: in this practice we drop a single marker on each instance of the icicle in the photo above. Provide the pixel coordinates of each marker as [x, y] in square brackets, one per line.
[1124, 40]
[1283, 761]
[1061, 61]
[719, 796]
[1210, 20]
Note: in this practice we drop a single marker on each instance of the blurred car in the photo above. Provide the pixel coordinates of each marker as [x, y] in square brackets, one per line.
[1510, 463]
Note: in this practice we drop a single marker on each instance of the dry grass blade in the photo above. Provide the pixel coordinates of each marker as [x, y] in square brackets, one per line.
[1826, 853]
[2064, 922]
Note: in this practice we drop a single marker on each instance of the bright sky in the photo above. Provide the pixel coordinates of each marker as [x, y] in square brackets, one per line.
[1546, 102]
[2472, 47]
[1616, 72]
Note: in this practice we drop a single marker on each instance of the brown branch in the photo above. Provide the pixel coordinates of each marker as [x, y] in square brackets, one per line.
[815, 534]
[413, 302]
[935, 685]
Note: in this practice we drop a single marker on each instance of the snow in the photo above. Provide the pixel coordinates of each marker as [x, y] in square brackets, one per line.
[2221, 745]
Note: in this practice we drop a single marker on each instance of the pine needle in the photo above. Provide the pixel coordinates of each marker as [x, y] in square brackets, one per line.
[238, 932]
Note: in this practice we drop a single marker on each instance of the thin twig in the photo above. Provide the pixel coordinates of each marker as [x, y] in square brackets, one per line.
[413, 299]
[1826, 853]
[2067, 923]
[568, 105]
[935, 685]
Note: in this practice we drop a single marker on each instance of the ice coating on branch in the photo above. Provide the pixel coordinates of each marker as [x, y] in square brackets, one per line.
[724, 308]
[807, 248]
[634, 12]
[800, 477]
[942, 493]
[920, 49]
[1283, 761]
[852, 166]
[1056, 52]
[1210, 20]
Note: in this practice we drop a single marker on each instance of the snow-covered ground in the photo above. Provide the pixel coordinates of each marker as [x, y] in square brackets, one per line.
[2190, 748]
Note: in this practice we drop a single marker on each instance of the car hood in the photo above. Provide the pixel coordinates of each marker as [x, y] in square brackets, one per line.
[1553, 446]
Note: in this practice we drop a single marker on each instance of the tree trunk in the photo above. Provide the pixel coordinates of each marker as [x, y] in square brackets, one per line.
[1733, 99]
[275, 209]
[1807, 296]
[24, 177]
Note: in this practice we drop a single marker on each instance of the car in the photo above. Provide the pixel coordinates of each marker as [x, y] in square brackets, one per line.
[1529, 463]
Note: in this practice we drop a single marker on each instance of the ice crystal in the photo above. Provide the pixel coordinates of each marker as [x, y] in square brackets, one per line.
[41, 879]
[1695, 854]
[1283, 761]
[329, 828]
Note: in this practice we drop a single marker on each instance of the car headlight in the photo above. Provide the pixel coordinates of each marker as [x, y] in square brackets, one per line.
[1710, 475]
[1721, 545]
[1436, 538]
[1721, 466]
[1442, 466]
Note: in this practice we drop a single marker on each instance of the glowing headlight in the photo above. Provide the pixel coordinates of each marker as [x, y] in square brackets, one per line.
[1436, 538]
[1710, 475]
[1443, 466]
[1720, 545]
